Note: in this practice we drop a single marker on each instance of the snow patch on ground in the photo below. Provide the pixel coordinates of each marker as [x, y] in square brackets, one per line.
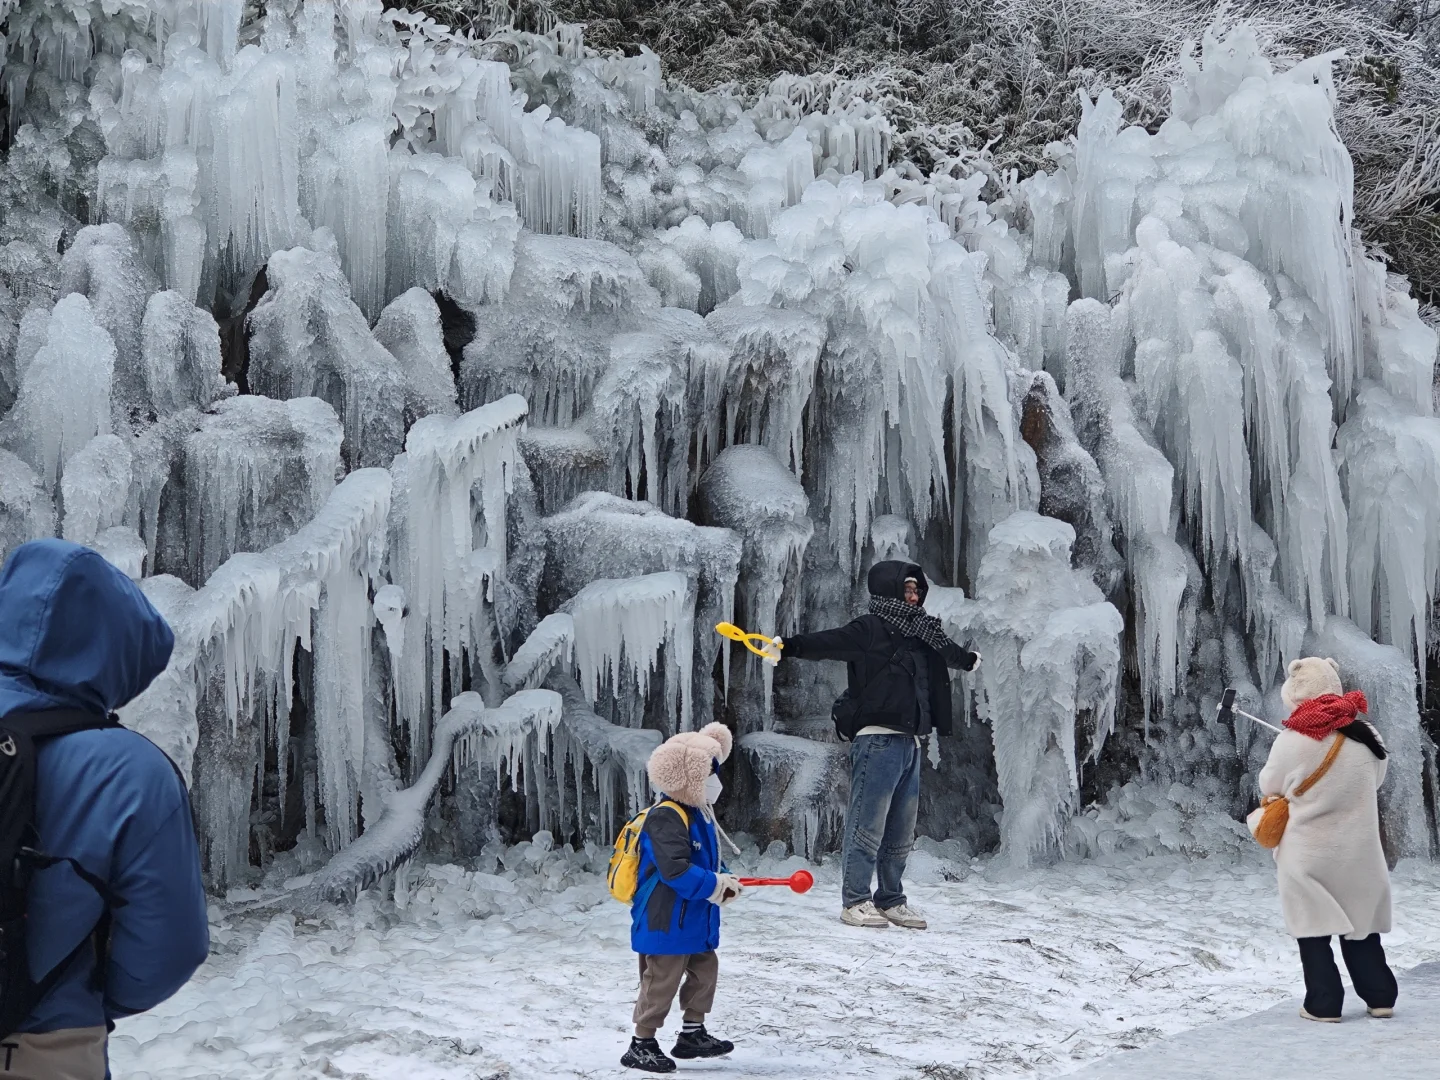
[519, 967]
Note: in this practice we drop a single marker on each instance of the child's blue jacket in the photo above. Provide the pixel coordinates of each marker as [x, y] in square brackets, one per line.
[671, 914]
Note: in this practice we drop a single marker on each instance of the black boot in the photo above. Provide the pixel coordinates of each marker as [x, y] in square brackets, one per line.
[700, 1044]
[646, 1054]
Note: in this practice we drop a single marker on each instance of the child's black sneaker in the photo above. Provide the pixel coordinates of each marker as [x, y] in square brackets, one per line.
[700, 1044]
[646, 1054]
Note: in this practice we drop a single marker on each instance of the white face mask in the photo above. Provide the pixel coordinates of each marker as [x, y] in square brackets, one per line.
[713, 787]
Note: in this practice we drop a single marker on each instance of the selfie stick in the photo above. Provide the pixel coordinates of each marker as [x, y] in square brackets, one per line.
[1227, 707]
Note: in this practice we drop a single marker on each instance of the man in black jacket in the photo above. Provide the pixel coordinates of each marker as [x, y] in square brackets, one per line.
[898, 659]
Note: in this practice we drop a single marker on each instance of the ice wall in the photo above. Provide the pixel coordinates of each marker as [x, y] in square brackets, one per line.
[401, 366]
[449, 548]
[1238, 347]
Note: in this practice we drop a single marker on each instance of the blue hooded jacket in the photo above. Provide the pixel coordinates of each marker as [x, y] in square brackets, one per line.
[76, 633]
[671, 914]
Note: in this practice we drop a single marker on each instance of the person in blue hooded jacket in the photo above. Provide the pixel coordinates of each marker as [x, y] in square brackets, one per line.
[675, 915]
[77, 634]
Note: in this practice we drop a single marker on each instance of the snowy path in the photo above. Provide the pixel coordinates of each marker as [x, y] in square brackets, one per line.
[1033, 975]
[1278, 1045]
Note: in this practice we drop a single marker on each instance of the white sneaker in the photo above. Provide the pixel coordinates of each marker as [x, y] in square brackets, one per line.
[864, 914]
[1381, 1013]
[1305, 1014]
[906, 916]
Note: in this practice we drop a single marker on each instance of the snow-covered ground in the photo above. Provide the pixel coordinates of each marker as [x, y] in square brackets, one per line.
[525, 972]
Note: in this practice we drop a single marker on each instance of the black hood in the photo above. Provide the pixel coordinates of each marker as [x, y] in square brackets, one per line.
[887, 579]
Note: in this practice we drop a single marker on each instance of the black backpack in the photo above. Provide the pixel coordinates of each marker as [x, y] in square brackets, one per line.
[19, 732]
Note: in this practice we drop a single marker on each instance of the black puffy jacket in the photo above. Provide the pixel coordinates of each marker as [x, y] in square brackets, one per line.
[881, 662]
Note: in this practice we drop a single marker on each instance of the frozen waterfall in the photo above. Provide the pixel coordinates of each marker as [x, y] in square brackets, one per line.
[445, 392]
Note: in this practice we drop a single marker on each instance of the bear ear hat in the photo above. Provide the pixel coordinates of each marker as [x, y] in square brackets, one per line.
[1295, 666]
[721, 734]
[1333, 664]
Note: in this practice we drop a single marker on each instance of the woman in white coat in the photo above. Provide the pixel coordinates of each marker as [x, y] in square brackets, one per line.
[1332, 872]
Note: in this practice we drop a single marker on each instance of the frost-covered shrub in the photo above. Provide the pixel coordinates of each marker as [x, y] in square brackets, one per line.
[959, 75]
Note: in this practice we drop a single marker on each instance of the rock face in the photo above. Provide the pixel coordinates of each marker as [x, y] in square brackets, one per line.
[791, 789]
[959, 797]
[1071, 487]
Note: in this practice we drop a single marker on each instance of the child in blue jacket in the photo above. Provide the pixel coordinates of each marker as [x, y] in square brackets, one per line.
[675, 917]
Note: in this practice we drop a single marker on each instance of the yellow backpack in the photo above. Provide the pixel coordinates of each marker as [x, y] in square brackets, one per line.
[624, 873]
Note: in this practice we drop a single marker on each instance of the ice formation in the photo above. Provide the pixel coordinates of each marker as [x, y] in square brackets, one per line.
[749, 490]
[1051, 644]
[800, 784]
[467, 728]
[308, 339]
[631, 620]
[416, 375]
[615, 758]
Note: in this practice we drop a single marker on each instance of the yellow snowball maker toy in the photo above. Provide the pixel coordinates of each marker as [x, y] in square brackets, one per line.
[734, 633]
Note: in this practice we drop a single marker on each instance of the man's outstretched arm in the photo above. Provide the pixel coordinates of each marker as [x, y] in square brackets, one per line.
[957, 656]
[850, 642]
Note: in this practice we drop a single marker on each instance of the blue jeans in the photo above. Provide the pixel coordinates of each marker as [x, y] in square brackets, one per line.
[880, 824]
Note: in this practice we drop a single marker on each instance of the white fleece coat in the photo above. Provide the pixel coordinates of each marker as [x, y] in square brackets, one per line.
[1333, 877]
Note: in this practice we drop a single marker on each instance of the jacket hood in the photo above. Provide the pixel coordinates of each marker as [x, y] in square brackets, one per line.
[75, 632]
[887, 579]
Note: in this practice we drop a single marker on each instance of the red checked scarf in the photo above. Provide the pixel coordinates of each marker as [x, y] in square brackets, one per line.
[1319, 716]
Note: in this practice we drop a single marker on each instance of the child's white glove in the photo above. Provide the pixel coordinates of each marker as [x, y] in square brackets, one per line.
[771, 653]
[727, 888]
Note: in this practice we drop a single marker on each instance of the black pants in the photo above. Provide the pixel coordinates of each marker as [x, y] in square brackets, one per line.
[1365, 960]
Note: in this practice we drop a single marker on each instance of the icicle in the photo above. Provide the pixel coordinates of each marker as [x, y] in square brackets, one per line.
[550, 645]
[750, 491]
[353, 202]
[255, 161]
[1052, 651]
[632, 620]
[389, 608]
[445, 461]
[1391, 473]
[253, 468]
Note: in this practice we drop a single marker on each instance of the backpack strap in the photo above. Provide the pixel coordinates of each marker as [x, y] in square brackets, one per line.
[40, 861]
[652, 880]
[52, 723]
[1314, 778]
[19, 734]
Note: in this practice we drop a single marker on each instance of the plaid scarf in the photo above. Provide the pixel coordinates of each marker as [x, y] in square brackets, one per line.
[911, 620]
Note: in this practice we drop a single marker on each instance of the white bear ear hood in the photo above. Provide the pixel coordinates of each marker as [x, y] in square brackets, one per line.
[1310, 677]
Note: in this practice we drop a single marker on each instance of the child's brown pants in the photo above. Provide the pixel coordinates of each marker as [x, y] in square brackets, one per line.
[659, 979]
